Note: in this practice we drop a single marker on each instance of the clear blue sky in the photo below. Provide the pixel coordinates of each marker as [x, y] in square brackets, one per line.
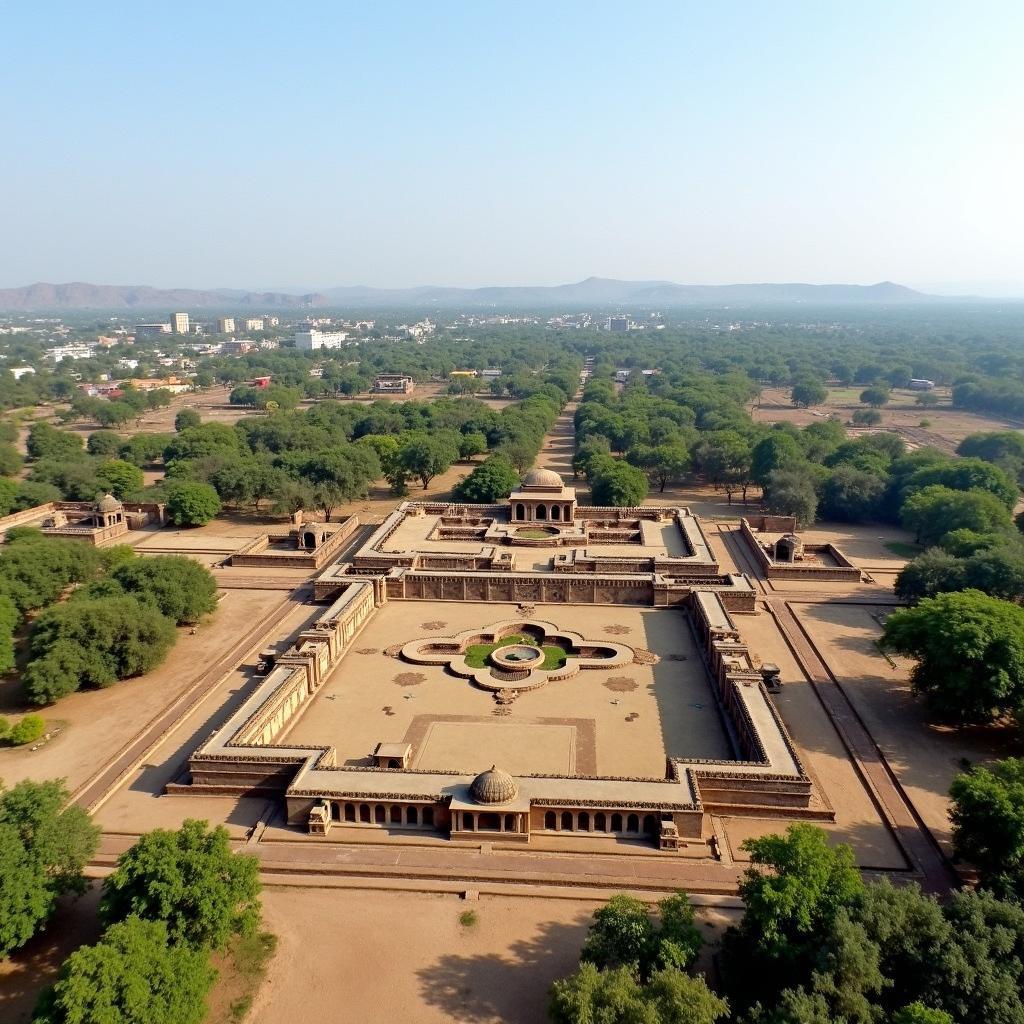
[391, 144]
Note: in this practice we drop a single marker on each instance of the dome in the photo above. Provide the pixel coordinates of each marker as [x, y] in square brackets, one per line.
[546, 478]
[493, 787]
[108, 503]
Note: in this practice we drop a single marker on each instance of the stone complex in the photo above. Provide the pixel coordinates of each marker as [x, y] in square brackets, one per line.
[782, 555]
[309, 544]
[442, 552]
[95, 522]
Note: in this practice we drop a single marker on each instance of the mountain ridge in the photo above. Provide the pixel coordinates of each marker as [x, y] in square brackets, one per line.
[80, 295]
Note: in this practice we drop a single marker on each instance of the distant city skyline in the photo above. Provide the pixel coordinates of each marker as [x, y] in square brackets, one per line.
[474, 145]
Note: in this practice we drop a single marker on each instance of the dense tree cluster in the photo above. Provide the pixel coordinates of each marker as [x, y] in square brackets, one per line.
[117, 620]
[172, 899]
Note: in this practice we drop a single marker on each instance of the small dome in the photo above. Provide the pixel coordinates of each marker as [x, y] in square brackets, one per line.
[493, 787]
[542, 478]
[108, 503]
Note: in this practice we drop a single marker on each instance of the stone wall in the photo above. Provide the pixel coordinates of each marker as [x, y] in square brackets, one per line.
[843, 571]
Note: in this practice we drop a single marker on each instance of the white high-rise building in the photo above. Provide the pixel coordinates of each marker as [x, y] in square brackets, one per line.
[310, 340]
[179, 323]
[226, 325]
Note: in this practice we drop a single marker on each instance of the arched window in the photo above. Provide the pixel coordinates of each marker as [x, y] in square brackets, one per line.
[412, 816]
[378, 815]
[555, 513]
[584, 821]
[335, 812]
[520, 511]
[350, 812]
[541, 511]
[600, 822]
[566, 821]
[549, 820]
[364, 813]
[650, 824]
[633, 823]
[616, 822]
[396, 814]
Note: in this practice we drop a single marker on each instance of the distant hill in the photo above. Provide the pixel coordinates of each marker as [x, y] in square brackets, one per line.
[594, 291]
[116, 296]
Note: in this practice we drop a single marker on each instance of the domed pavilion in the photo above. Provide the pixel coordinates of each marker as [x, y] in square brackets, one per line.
[542, 497]
[491, 803]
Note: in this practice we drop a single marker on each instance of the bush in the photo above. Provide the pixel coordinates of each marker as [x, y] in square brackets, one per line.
[28, 730]
[192, 504]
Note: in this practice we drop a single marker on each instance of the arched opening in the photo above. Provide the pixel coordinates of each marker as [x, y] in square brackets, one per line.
[566, 821]
[520, 511]
[350, 812]
[364, 813]
[309, 540]
[396, 814]
[616, 822]
[540, 512]
[555, 513]
[488, 821]
[428, 815]
[393, 762]
[600, 822]
[584, 821]
[335, 812]
[412, 816]
[378, 815]
[650, 824]
[549, 820]
[510, 823]
[633, 823]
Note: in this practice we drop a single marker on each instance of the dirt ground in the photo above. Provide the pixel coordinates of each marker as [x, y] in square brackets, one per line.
[405, 958]
[924, 756]
[902, 414]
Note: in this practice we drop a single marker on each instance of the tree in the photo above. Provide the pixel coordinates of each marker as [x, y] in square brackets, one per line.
[808, 392]
[997, 571]
[46, 442]
[44, 846]
[988, 824]
[93, 642]
[592, 996]
[492, 481]
[119, 478]
[28, 730]
[866, 417]
[933, 572]
[186, 418]
[132, 975]
[424, 456]
[10, 460]
[970, 654]
[619, 484]
[918, 1013]
[795, 888]
[621, 935]
[104, 443]
[472, 444]
[178, 586]
[776, 451]
[192, 504]
[190, 881]
[850, 495]
[9, 619]
[790, 492]
[935, 511]
[876, 396]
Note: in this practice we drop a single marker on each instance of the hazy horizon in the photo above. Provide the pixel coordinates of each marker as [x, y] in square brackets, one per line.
[248, 146]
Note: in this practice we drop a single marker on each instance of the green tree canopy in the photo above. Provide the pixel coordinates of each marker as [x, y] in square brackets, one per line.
[192, 504]
[988, 824]
[44, 845]
[178, 586]
[969, 649]
[619, 484]
[133, 975]
[808, 392]
[492, 481]
[189, 880]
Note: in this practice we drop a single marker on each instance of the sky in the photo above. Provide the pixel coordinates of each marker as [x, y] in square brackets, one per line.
[394, 144]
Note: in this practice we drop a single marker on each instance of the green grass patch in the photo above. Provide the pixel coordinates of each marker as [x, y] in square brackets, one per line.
[468, 918]
[532, 534]
[476, 654]
[903, 549]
